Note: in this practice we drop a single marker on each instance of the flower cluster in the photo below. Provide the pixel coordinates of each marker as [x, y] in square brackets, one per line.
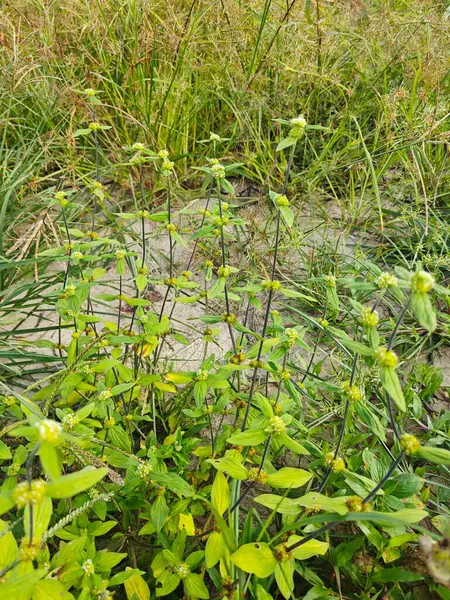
[386, 358]
[24, 493]
[49, 431]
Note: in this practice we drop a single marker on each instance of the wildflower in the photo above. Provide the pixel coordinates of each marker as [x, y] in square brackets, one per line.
[9, 400]
[281, 553]
[271, 285]
[281, 200]
[229, 318]
[201, 375]
[163, 154]
[330, 281]
[323, 323]
[69, 422]
[94, 126]
[144, 469]
[238, 358]
[422, 282]
[138, 147]
[409, 443]
[142, 270]
[338, 465]
[209, 264]
[28, 552]
[24, 494]
[76, 335]
[186, 274]
[181, 570]
[167, 168]
[328, 458]
[214, 137]
[225, 205]
[90, 92]
[386, 358]
[298, 125]
[285, 375]
[78, 255]
[224, 271]
[109, 422]
[369, 317]
[88, 567]
[49, 431]
[143, 214]
[104, 395]
[171, 227]
[218, 171]
[70, 290]
[257, 475]
[352, 392]
[277, 425]
[120, 254]
[61, 199]
[171, 281]
[13, 470]
[356, 504]
[385, 280]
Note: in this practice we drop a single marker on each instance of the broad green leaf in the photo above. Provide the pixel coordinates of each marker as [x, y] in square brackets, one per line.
[395, 575]
[231, 466]
[50, 589]
[391, 383]
[6, 502]
[423, 310]
[308, 549]
[41, 518]
[195, 587]
[174, 482]
[159, 512]
[279, 504]
[438, 456]
[220, 493]
[8, 546]
[49, 460]
[70, 485]
[288, 477]
[284, 576]
[5, 452]
[319, 501]
[256, 558]
[136, 588]
[291, 444]
[213, 549]
[248, 438]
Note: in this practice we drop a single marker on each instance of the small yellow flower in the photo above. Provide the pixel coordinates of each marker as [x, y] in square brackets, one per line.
[90, 92]
[386, 358]
[49, 431]
[24, 494]
[163, 154]
[229, 318]
[409, 443]
[120, 254]
[88, 567]
[355, 504]
[422, 282]
[214, 137]
[369, 317]
[277, 425]
[257, 475]
[338, 465]
[386, 280]
[330, 281]
[171, 227]
[224, 271]
[281, 200]
[271, 285]
[218, 171]
[352, 392]
[182, 570]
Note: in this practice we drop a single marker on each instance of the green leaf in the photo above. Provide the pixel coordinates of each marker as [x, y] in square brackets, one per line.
[136, 588]
[316, 500]
[6, 502]
[256, 558]
[195, 587]
[284, 576]
[8, 546]
[286, 143]
[391, 383]
[438, 456]
[288, 477]
[287, 215]
[159, 512]
[5, 452]
[279, 504]
[174, 482]
[49, 460]
[70, 485]
[231, 466]
[291, 444]
[395, 575]
[251, 437]
[50, 589]
[220, 493]
[423, 310]
[104, 560]
[213, 549]
[41, 518]
[308, 549]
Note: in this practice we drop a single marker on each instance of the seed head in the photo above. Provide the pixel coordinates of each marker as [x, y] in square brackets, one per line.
[49, 431]
[386, 358]
[277, 425]
[369, 317]
[422, 282]
[409, 443]
[386, 280]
